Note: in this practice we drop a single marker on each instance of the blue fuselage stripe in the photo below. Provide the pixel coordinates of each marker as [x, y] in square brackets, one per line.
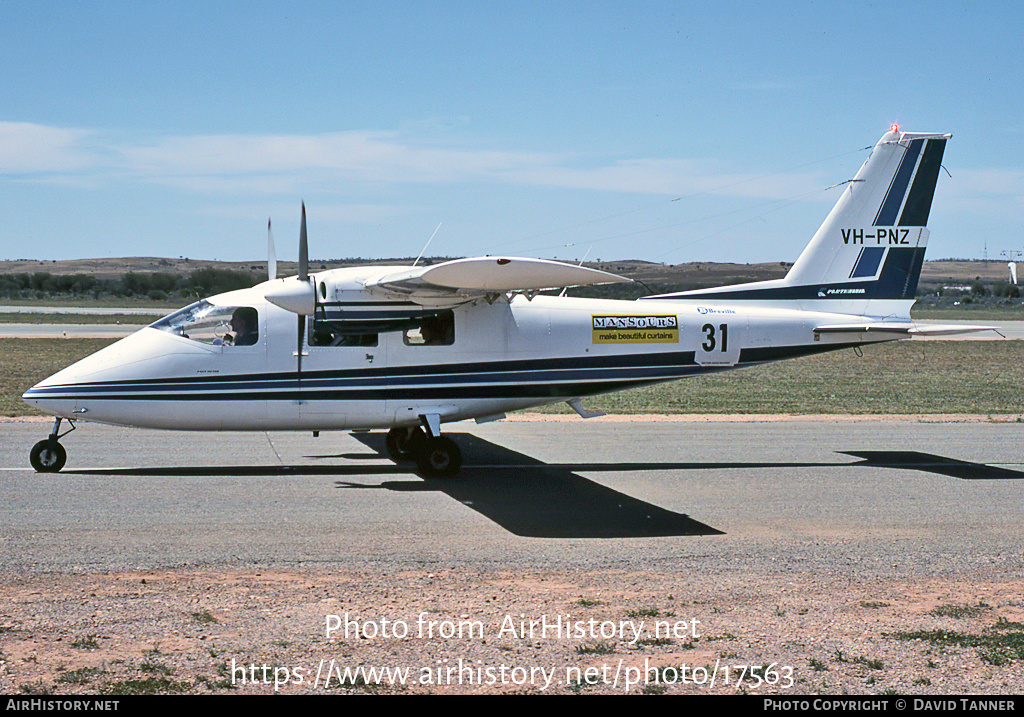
[506, 379]
[350, 384]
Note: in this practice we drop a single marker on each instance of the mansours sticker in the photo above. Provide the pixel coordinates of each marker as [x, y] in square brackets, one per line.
[650, 329]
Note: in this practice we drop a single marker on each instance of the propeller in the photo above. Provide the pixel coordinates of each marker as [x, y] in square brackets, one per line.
[303, 248]
[271, 255]
[303, 278]
[297, 295]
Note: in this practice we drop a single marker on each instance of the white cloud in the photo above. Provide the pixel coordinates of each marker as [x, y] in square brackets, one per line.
[27, 148]
[238, 165]
[287, 214]
[356, 155]
[991, 193]
[670, 177]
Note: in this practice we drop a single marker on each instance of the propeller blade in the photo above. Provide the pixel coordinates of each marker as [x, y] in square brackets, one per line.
[298, 354]
[303, 249]
[307, 293]
[271, 254]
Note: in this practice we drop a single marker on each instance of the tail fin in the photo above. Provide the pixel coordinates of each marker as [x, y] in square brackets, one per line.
[871, 246]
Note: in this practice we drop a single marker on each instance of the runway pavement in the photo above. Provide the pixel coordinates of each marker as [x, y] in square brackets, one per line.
[864, 497]
[93, 310]
[58, 331]
[78, 331]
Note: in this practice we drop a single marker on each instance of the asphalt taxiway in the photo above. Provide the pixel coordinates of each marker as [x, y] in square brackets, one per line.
[867, 496]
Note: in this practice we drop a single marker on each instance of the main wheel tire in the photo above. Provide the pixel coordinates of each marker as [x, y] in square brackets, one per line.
[45, 460]
[401, 443]
[439, 458]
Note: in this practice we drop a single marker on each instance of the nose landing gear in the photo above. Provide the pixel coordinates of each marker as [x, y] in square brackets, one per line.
[49, 456]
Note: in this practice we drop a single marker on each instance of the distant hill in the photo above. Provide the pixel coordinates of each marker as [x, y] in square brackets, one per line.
[693, 274]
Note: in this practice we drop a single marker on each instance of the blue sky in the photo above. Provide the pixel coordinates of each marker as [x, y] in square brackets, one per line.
[665, 131]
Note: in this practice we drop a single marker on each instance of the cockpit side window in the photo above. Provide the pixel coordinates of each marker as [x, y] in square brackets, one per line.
[205, 323]
[245, 323]
[434, 330]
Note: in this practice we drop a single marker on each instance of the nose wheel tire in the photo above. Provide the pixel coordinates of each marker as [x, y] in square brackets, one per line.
[438, 457]
[48, 460]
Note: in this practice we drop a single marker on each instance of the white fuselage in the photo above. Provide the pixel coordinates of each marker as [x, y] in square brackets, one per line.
[506, 355]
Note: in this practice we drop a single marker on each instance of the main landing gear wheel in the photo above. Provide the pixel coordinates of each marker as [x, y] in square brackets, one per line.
[438, 457]
[48, 460]
[402, 443]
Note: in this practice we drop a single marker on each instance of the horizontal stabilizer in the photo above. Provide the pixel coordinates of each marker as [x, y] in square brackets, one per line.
[902, 328]
[864, 329]
[466, 279]
[947, 329]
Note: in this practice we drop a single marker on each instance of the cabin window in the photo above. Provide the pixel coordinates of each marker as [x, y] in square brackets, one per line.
[205, 323]
[333, 333]
[434, 330]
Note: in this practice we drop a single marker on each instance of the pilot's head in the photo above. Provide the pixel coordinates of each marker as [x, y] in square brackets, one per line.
[243, 320]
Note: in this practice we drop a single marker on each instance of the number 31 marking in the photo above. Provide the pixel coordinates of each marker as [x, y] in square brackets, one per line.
[711, 340]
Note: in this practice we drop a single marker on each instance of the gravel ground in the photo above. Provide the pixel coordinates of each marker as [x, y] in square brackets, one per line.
[460, 631]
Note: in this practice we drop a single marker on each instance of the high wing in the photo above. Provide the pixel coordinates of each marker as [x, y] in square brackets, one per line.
[456, 282]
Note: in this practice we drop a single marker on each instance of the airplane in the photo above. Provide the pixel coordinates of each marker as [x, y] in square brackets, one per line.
[409, 348]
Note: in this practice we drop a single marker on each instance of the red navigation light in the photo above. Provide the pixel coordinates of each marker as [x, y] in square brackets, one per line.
[894, 128]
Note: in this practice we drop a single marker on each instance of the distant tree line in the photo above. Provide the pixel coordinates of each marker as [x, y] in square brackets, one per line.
[157, 286]
[1000, 289]
[161, 286]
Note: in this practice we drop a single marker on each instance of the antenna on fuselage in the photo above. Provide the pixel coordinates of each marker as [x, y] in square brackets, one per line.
[566, 288]
[427, 244]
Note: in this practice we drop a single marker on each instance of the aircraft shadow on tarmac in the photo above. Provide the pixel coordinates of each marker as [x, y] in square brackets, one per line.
[534, 499]
[931, 463]
[531, 498]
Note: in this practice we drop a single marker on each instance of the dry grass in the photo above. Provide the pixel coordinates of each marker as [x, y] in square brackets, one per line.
[25, 362]
[977, 377]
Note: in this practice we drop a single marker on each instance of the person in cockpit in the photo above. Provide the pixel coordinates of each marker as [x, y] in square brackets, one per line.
[244, 322]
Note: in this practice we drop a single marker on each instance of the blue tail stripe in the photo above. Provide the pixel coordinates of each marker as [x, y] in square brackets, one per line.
[919, 203]
[868, 261]
[898, 189]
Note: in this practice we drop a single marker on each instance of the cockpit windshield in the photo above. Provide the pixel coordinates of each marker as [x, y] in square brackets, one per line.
[215, 325]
